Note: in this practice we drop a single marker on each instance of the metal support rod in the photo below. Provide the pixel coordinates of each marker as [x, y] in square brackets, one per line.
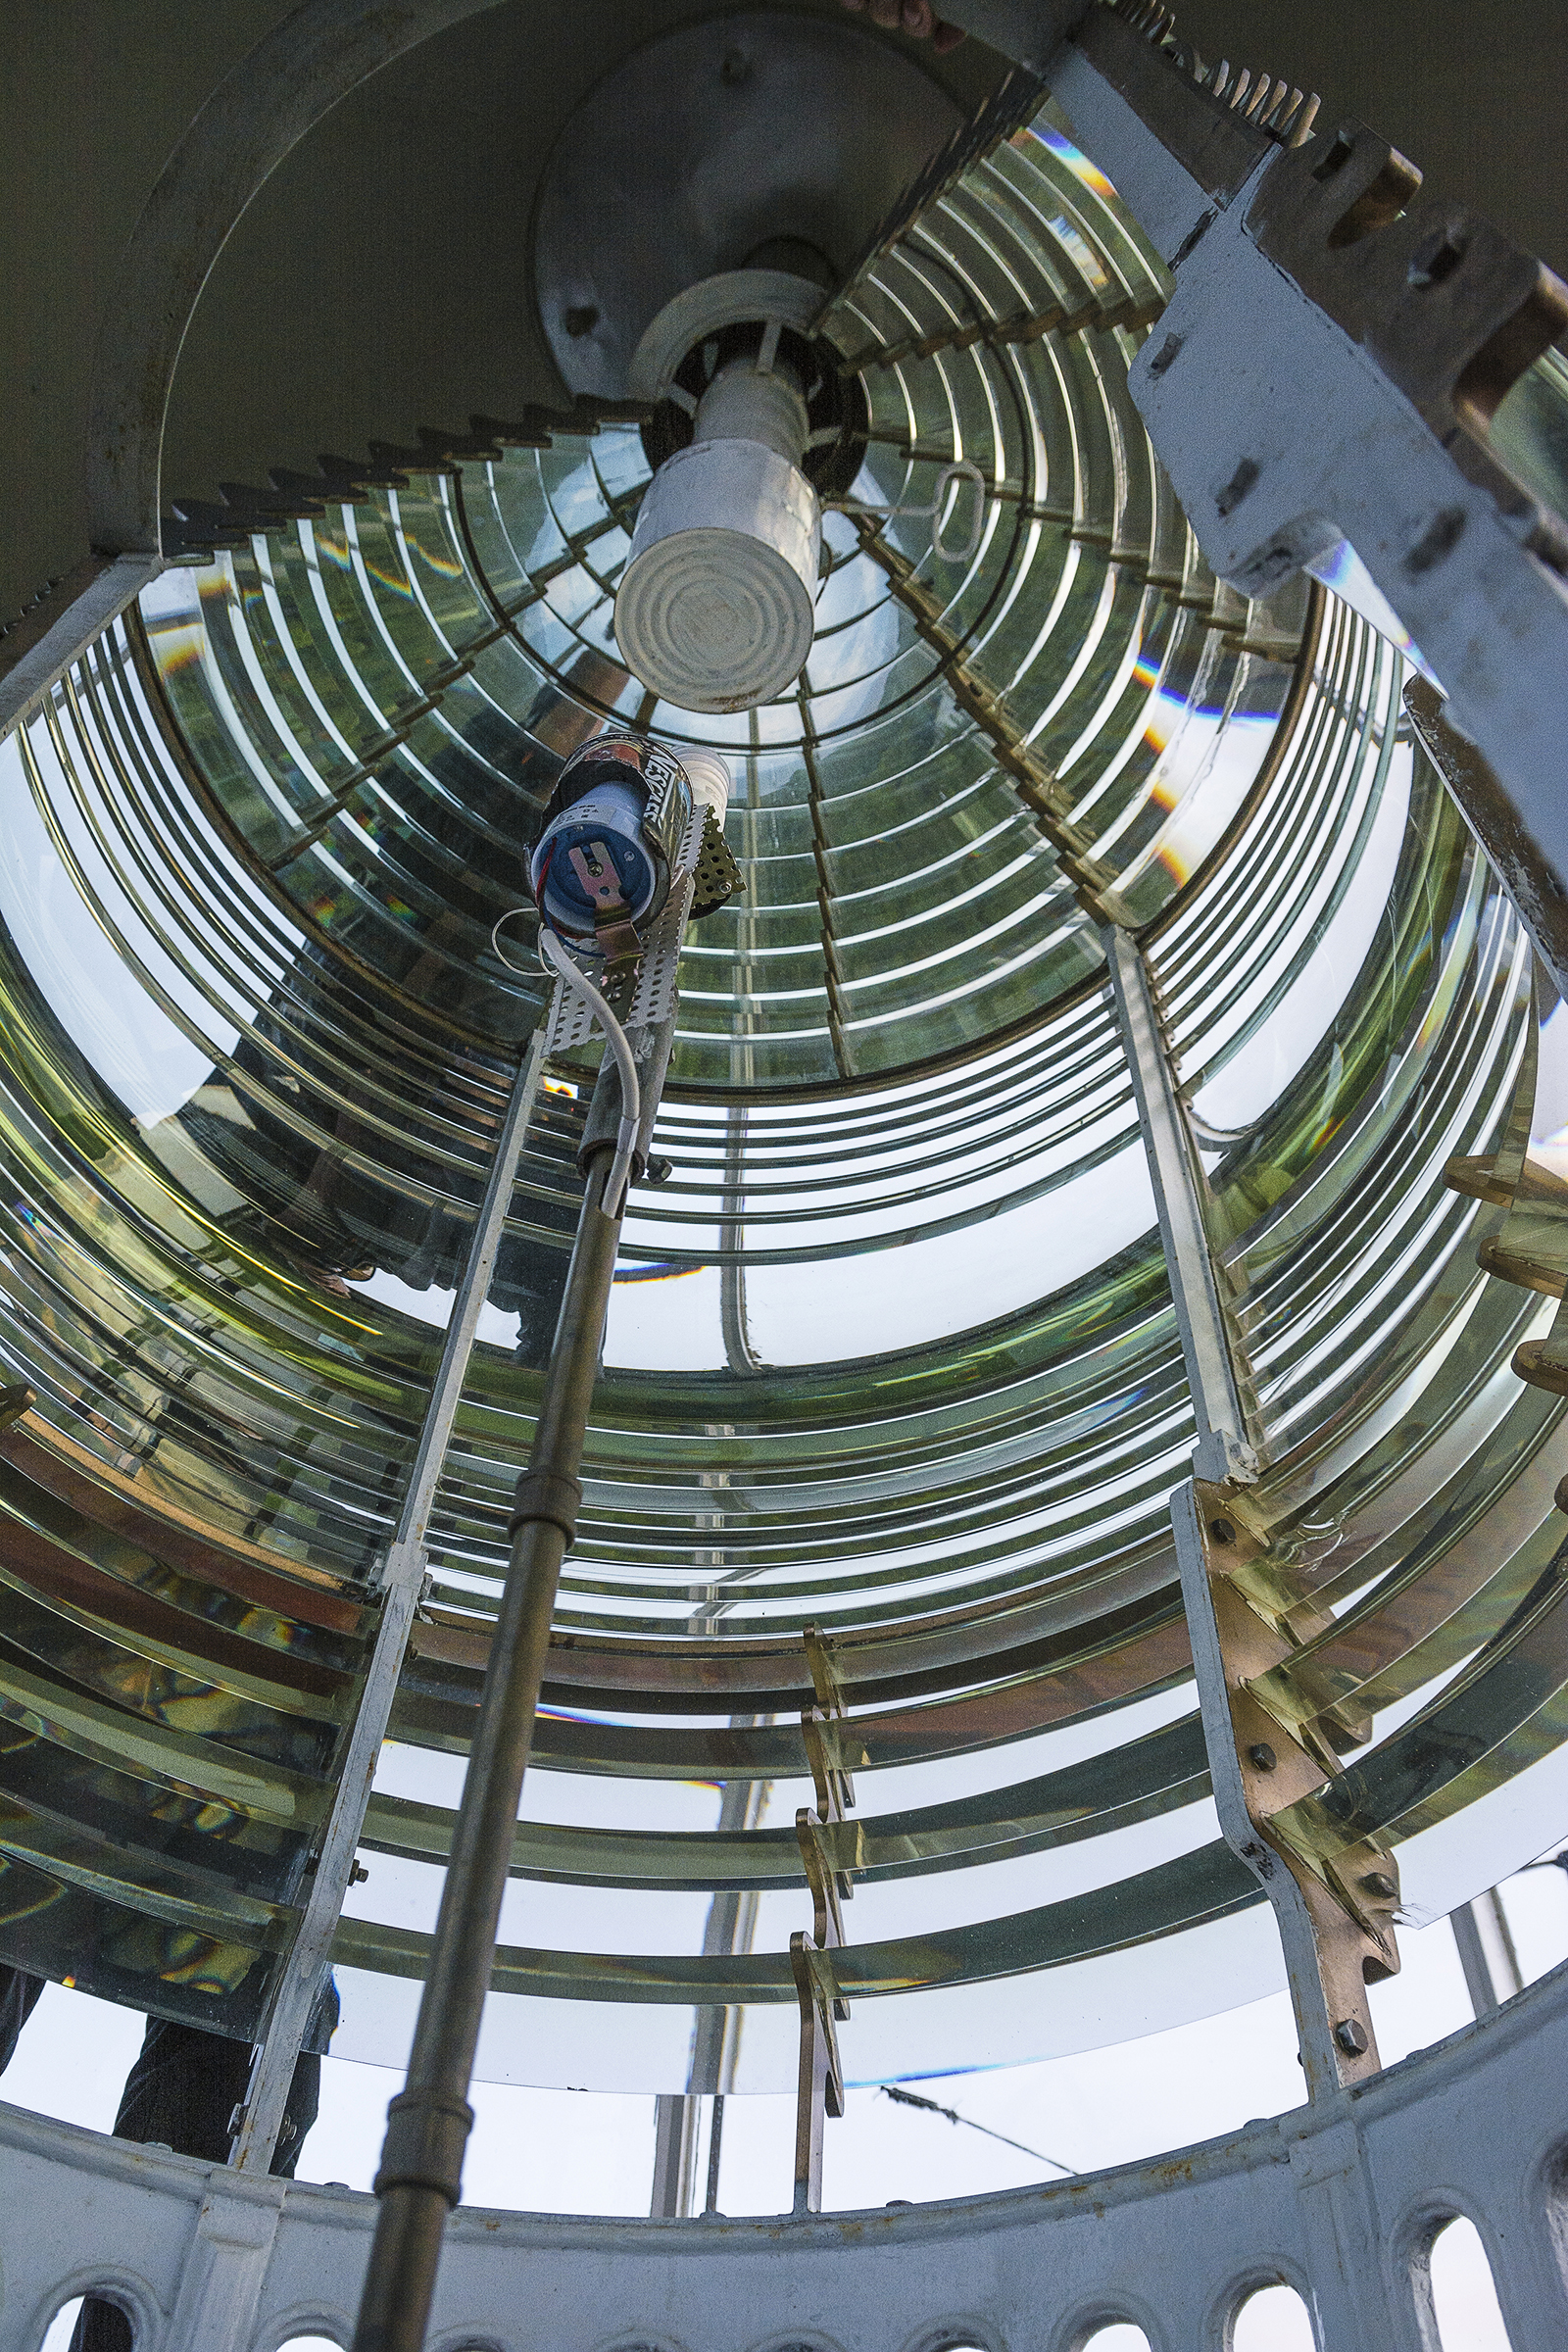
[1486, 1954]
[676, 2115]
[716, 2147]
[730, 1927]
[299, 1979]
[428, 2123]
[1224, 1451]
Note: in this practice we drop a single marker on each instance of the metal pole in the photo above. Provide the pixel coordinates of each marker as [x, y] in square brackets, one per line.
[429, 2121]
[730, 1927]
[299, 1979]
[1486, 1954]
[1223, 1448]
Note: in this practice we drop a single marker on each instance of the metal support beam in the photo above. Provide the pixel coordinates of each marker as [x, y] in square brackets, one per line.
[730, 1927]
[299, 1979]
[819, 2082]
[1328, 367]
[1336, 1929]
[1486, 1954]
[1524, 870]
[1244, 1613]
[107, 587]
[1224, 1450]
[677, 2116]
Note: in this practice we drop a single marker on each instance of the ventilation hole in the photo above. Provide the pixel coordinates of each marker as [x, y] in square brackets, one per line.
[1122, 2337]
[311, 2343]
[61, 2327]
[106, 2327]
[1274, 2319]
[1463, 2295]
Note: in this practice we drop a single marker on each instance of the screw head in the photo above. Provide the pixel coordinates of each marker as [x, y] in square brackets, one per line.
[1350, 2034]
[1261, 1756]
[1222, 1530]
[1379, 1882]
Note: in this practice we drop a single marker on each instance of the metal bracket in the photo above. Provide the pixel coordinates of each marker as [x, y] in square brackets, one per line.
[716, 875]
[830, 1877]
[819, 2090]
[1335, 1913]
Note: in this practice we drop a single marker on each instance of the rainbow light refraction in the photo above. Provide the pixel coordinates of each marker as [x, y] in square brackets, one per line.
[1077, 163]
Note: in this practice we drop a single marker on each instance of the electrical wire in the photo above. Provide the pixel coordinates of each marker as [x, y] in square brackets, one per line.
[912, 2098]
[554, 958]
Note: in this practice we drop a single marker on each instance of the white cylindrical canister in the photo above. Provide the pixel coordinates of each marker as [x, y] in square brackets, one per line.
[717, 604]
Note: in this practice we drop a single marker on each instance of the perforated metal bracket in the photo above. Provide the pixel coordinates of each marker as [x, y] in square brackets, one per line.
[717, 877]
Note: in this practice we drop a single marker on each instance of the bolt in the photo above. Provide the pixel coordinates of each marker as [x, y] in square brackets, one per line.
[1379, 1882]
[1262, 1756]
[658, 1171]
[1350, 2034]
[1222, 1530]
[358, 1874]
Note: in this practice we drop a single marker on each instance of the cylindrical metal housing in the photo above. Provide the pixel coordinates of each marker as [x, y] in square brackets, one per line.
[716, 605]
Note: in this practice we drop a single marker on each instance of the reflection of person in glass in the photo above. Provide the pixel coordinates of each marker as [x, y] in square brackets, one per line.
[311, 1128]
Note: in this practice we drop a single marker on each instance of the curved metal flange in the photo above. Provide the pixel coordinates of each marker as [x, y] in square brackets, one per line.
[730, 298]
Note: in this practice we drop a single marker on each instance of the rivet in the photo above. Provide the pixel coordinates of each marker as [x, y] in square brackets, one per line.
[1350, 2034]
[1262, 1756]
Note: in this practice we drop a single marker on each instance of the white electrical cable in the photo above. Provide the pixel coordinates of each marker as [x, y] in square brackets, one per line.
[554, 957]
[961, 469]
